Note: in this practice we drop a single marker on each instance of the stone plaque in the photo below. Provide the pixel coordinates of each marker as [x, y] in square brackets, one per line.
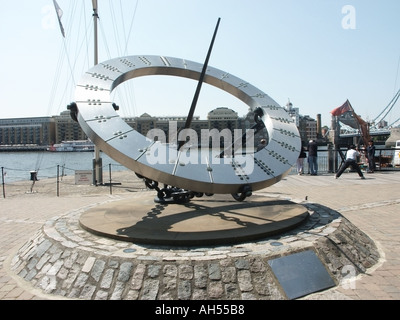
[301, 273]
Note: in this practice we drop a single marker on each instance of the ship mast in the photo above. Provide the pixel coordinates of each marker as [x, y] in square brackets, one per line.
[97, 161]
[95, 17]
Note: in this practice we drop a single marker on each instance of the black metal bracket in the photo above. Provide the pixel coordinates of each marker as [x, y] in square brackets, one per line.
[245, 192]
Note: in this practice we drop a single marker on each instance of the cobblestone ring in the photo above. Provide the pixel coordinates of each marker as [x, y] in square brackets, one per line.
[190, 169]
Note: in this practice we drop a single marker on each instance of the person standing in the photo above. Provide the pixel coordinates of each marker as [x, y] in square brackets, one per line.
[370, 155]
[300, 160]
[351, 160]
[313, 157]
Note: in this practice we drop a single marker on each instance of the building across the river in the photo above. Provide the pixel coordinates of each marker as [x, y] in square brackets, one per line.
[46, 131]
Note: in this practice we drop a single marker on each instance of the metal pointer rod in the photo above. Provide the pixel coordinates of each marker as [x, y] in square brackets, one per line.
[199, 84]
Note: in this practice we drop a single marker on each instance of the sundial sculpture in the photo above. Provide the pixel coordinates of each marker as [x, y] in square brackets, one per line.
[185, 171]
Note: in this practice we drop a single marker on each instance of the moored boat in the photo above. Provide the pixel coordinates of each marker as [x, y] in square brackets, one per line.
[72, 146]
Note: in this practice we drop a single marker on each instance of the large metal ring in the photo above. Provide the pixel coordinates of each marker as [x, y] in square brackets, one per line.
[193, 169]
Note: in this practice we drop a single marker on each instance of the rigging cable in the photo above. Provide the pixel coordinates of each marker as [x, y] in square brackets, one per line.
[398, 96]
[395, 86]
[53, 90]
[130, 93]
[130, 29]
[397, 74]
[115, 29]
[68, 46]
[393, 104]
[394, 122]
[395, 98]
[389, 107]
[125, 93]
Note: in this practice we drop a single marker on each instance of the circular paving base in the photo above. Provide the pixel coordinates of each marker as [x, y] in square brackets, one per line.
[202, 221]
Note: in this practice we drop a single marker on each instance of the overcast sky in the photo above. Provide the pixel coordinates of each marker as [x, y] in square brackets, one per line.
[317, 53]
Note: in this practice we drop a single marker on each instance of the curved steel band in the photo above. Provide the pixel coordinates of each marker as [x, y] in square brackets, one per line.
[192, 169]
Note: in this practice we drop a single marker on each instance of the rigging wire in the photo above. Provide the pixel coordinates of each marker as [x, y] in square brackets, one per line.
[130, 29]
[392, 102]
[394, 122]
[64, 53]
[397, 98]
[395, 86]
[397, 74]
[72, 45]
[130, 92]
[389, 107]
[123, 25]
[125, 92]
[57, 76]
[104, 38]
[76, 48]
[55, 82]
[115, 29]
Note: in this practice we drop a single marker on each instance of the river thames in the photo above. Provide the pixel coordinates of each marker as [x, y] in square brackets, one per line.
[17, 165]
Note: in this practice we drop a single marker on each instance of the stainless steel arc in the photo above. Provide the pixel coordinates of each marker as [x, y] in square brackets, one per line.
[190, 168]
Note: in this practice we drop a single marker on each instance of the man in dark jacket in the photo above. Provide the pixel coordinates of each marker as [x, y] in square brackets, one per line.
[313, 157]
[370, 155]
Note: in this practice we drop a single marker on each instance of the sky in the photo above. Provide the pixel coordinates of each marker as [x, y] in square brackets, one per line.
[315, 53]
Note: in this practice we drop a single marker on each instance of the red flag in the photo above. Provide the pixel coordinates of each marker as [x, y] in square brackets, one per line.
[342, 109]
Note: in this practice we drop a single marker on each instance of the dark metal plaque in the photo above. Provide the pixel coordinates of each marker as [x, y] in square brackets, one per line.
[301, 273]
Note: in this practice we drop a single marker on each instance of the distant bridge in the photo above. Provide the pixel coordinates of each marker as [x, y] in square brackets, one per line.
[356, 133]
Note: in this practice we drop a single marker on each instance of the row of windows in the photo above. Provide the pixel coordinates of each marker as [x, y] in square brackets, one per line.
[56, 129]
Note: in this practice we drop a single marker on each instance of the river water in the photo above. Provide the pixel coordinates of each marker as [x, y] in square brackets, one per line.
[16, 166]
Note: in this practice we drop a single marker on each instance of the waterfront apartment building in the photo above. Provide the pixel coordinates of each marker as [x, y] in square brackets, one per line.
[67, 129]
[308, 129]
[168, 127]
[27, 131]
[45, 131]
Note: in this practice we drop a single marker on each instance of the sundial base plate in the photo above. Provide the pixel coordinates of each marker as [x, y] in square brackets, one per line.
[202, 221]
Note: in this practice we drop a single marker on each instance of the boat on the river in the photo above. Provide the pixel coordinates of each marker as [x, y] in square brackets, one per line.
[72, 146]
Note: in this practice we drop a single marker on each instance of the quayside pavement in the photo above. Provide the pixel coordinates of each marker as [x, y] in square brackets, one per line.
[372, 205]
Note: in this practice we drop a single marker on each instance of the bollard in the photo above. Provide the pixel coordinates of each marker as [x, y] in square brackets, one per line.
[33, 175]
[109, 170]
[2, 181]
[33, 178]
[58, 181]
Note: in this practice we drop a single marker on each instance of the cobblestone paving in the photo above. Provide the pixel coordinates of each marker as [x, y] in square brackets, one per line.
[64, 260]
[191, 273]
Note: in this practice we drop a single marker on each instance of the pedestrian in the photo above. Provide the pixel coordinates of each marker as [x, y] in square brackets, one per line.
[370, 155]
[351, 160]
[313, 157]
[300, 160]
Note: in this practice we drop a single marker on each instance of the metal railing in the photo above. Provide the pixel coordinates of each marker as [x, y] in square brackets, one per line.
[329, 161]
